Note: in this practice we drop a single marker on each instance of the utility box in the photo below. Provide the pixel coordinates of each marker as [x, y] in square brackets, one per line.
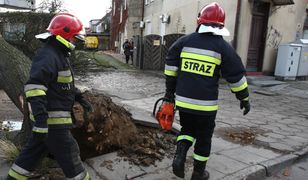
[303, 62]
[288, 61]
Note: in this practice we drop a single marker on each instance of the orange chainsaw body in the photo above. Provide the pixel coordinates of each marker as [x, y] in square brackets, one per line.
[165, 115]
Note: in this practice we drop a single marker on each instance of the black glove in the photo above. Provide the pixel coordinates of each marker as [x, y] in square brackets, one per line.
[246, 105]
[85, 105]
[39, 137]
[169, 96]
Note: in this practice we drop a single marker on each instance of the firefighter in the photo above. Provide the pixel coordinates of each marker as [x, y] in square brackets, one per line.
[50, 93]
[193, 67]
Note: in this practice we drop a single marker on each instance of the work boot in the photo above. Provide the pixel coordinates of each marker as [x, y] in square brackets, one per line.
[178, 164]
[199, 172]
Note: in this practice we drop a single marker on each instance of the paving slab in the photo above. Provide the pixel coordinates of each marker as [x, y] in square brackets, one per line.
[268, 154]
[255, 172]
[243, 156]
[93, 174]
[163, 164]
[219, 144]
[111, 166]
[224, 164]
[266, 83]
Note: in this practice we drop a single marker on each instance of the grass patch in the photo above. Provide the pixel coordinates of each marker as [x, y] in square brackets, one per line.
[104, 59]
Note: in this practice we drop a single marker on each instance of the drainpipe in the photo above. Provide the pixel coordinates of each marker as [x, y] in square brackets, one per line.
[237, 23]
[142, 18]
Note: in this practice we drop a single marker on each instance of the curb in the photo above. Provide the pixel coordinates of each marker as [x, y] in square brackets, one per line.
[255, 172]
[267, 168]
[274, 165]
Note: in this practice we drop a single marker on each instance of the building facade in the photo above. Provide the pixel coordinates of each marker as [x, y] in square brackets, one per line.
[257, 27]
[126, 16]
[17, 4]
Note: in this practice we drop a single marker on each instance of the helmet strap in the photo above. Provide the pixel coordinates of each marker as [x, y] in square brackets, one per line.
[65, 42]
[197, 29]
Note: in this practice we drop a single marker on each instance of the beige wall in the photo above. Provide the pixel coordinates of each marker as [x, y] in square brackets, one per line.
[285, 25]
[183, 15]
[244, 30]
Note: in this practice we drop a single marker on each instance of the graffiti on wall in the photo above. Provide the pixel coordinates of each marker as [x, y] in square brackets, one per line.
[274, 38]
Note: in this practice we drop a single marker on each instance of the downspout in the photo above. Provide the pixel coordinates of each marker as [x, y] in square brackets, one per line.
[142, 18]
[140, 50]
[237, 24]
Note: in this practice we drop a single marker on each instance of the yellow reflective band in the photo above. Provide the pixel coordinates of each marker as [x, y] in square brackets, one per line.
[65, 42]
[200, 158]
[31, 117]
[185, 137]
[239, 88]
[17, 176]
[197, 67]
[87, 177]
[200, 57]
[40, 130]
[35, 92]
[170, 73]
[65, 79]
[196, 107]
[56, 121]
[246, 99]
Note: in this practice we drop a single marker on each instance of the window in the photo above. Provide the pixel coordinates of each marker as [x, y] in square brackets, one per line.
[125, 1]
[146, 2]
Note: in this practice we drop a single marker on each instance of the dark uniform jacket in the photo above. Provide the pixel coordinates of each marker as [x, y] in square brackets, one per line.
[50, 89]
[193, 67]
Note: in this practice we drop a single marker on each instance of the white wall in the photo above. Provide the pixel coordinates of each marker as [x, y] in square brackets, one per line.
[18, 4]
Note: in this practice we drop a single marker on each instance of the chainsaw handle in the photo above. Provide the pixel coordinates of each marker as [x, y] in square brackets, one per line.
[155, 105]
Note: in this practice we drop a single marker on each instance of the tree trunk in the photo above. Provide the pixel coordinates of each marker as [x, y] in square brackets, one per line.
[14, 71]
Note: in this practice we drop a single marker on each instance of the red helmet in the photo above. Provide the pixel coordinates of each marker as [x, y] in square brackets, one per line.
[65, 25]
[213, 14]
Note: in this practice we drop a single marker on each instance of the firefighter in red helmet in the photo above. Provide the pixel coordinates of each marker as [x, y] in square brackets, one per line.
[51, 93]
[193, 67]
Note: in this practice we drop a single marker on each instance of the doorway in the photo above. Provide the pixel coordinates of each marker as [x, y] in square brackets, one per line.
[260, 14]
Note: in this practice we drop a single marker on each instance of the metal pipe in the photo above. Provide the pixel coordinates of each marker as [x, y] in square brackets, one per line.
[237, 24]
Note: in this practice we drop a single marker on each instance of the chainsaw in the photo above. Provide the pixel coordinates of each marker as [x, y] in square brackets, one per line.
[165, 113]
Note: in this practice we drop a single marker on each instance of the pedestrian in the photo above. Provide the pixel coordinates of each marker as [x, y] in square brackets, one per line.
[126, 46]
[131, 43]
[193, 67]
[50, 93]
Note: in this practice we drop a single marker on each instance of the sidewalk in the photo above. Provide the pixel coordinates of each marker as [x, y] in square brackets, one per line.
[278, 119]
